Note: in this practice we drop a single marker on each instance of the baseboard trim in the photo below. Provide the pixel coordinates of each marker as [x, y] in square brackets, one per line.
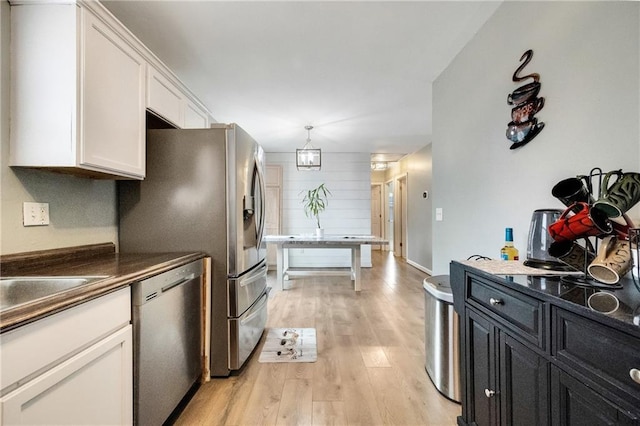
[420, 267]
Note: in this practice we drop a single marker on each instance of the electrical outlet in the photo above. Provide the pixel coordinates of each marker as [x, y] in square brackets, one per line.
[35, 214]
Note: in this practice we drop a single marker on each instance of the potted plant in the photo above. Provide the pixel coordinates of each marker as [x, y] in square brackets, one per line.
[315, 201]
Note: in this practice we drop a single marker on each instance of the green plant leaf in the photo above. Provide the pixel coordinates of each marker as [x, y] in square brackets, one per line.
[315, 201]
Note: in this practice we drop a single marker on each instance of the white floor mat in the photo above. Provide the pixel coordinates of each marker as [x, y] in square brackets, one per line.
[289, 345]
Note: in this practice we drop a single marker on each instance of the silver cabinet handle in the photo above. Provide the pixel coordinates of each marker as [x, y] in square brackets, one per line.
[635, 375]
[489, 393]
[496, 302]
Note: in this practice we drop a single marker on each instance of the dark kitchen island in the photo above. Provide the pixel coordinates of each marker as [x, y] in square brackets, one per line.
[533, 352]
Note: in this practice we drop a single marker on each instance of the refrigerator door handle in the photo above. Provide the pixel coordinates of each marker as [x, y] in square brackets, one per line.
[260, 219]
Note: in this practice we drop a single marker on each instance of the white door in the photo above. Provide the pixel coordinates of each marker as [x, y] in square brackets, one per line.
[376, 212]
[273, 207]
[400, 216]
[404, 196]
[389, 228]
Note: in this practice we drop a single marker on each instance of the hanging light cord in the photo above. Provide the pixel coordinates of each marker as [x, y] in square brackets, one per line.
[308, 136]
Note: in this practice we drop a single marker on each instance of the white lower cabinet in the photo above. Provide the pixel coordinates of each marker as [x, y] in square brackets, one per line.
[91, 388]
[74, 367]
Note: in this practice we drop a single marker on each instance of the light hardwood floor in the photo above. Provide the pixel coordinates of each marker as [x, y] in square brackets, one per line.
[370, 368]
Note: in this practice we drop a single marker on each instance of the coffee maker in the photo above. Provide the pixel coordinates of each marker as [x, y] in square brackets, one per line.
[539, 241]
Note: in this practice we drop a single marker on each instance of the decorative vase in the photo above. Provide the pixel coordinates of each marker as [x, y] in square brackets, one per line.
[319, 232]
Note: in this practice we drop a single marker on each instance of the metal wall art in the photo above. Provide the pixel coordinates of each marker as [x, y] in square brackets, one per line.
[526, 103]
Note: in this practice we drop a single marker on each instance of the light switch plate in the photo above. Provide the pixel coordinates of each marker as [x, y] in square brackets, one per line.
[35, 214]
[439, 214]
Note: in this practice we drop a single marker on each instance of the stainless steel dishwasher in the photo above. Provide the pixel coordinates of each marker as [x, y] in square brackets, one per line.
[166, 312]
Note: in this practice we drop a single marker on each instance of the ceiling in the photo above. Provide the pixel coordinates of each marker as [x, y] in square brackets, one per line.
[359, 72]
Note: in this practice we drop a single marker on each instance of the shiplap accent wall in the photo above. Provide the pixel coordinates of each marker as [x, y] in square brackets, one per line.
[348, 177]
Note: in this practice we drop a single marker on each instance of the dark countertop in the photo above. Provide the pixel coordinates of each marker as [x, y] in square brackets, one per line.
[552, 288]
[101, 259]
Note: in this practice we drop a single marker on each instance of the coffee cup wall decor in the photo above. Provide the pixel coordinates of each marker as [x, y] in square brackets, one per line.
[523, 126]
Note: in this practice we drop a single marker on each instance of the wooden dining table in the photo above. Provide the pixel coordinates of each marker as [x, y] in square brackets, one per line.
[352, 242]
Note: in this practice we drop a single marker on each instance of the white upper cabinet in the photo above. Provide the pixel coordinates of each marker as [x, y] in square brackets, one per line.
[168, 100]
[80, 85]
[164, 98]
[194, 116]
[113, 88]
[78, 93]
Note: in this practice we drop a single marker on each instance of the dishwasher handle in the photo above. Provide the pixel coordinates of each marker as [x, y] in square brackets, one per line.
[177, 283]
[151, 288]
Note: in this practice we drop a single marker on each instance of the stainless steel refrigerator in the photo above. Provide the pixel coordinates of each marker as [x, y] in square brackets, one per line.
[204, 191]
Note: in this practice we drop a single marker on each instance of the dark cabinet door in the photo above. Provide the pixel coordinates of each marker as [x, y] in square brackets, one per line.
[524, 384]
[481, 385]
[574, 403]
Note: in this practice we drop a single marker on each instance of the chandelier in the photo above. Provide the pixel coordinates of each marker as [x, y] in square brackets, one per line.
[308, 158]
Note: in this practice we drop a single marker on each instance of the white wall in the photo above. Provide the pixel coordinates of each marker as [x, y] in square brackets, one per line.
[348, 177]
[418, 169]
[419, 214]
[587, 54]
[82, 211]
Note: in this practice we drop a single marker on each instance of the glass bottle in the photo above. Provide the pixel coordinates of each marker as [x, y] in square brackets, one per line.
[509, 251]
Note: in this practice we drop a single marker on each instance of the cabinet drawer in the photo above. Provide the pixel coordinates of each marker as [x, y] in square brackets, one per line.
[51, 340]
[521, 312]
[599, 352]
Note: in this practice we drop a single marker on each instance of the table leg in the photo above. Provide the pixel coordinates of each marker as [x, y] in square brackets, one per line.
[285, 264]
[279, 267]
[355, 267]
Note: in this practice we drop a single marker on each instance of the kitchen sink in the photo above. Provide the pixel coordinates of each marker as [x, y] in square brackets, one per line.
[15, 291]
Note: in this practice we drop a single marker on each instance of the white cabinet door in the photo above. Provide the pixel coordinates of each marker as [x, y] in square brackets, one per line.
[83, 83]
[164, 98]
[113, 101]
[168, 100]
[194, 117]
[93, 387]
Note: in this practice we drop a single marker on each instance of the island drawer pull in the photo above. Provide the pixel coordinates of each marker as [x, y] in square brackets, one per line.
[496, 302]
[635, 375]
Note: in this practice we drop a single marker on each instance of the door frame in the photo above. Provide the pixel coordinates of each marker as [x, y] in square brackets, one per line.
[387, 227]
[273, 179]
[382, 214]
[400, 215]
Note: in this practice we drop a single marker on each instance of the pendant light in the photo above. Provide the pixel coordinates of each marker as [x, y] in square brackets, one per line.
[308, 158]
[377, 166]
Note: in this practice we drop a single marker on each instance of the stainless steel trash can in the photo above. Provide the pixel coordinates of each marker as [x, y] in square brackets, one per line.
[441, 337]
